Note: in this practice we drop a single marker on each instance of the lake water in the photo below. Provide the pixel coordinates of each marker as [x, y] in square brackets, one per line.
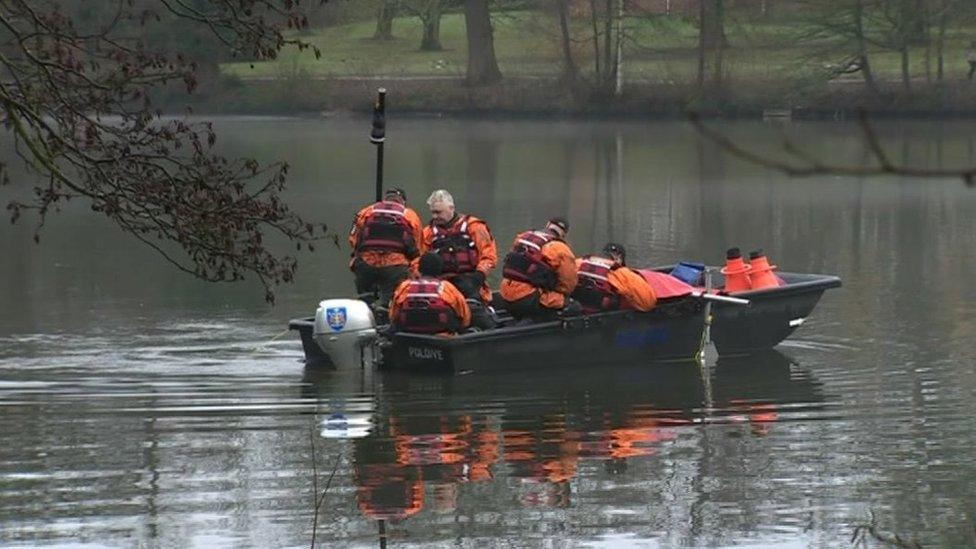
[139, 407]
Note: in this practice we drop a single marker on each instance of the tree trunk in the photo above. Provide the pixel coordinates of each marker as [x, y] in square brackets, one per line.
[906, 77]
[618, 57]
[940, 43]
[928, 50]
[918, 21]
[431, 19]
[702, 12]
[482, 66]
[862, 49]
[712, 23]
[384, 20]
[717, 75]
[596, 38]
[570, 72]
[711, 40]
[607, 44]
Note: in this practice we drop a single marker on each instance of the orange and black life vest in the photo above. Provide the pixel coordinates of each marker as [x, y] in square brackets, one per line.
[386, 229]
[593, 290]
[525, 262]
[424, 311]
[455, 246]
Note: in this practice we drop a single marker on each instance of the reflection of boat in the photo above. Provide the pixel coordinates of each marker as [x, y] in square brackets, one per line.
[769, 376]
[756, 389]
[343, 331]
[433, 434]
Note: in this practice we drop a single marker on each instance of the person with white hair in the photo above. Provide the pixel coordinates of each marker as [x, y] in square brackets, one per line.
[468, 250]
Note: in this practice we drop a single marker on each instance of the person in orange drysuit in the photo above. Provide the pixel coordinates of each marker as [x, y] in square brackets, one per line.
[540, 274]
[465, 245]
[385, 239]
[606, 284]
[427, 304]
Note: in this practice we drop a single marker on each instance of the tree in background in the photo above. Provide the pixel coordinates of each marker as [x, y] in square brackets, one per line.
[855, 31]
[386, 12]
[570, 69]
[429, 13]
[902, 27]
[711, 23]
[606, 25]
[482, 65]
[75, 97]
[580, 28]
[840, 29]
[712, 43]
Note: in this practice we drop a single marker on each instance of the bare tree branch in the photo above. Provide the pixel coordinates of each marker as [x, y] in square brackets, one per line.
[77, 102]
[810, 166]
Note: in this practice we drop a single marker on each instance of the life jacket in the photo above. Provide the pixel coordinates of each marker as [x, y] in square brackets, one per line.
[424, 311]
[386, 228]
[455, 246]
[593, 290]
[526, 264]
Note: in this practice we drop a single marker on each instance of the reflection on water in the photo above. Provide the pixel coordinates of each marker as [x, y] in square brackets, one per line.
[432, 434]
[139, 407]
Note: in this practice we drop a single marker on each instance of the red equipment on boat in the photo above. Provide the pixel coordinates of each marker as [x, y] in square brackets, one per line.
[761, 272]
[665, 285]
[736, 272]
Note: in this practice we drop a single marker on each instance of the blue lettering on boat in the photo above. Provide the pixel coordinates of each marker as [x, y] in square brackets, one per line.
[641, 338]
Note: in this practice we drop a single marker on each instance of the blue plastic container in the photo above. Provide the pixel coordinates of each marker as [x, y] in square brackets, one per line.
[689, 273]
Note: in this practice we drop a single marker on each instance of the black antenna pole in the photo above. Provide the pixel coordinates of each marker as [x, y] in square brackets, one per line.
[378, 137]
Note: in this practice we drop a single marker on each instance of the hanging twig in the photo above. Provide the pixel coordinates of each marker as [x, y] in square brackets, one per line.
[810, 166]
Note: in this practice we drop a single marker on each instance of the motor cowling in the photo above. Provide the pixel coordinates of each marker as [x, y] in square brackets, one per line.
[346, 330]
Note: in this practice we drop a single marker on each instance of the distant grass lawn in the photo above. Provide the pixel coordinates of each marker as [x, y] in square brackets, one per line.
[526, 43]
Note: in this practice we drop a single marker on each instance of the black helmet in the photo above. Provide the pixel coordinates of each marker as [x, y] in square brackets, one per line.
[560, 225]
[431, 264]
[396, 191]
[617, 250]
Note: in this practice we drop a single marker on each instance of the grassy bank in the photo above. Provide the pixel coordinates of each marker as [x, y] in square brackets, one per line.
[769, 65]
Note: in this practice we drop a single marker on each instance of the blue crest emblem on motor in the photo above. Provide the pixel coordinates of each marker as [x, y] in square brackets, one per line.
[336, 318]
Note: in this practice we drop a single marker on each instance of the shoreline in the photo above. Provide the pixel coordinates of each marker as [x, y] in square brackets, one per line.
[518, 98]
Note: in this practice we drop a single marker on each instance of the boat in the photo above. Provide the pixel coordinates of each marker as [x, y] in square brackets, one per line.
[772, 316]
[344, 332]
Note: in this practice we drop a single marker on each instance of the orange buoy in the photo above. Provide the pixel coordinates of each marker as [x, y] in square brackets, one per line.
[736, 272]
[761, 275]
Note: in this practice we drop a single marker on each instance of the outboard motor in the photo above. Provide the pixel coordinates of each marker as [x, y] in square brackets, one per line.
[346, 331]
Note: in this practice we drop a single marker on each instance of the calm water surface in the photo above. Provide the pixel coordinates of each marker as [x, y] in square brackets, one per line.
[139, 407]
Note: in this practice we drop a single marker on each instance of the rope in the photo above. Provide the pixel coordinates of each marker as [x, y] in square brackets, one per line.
[256, 349]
